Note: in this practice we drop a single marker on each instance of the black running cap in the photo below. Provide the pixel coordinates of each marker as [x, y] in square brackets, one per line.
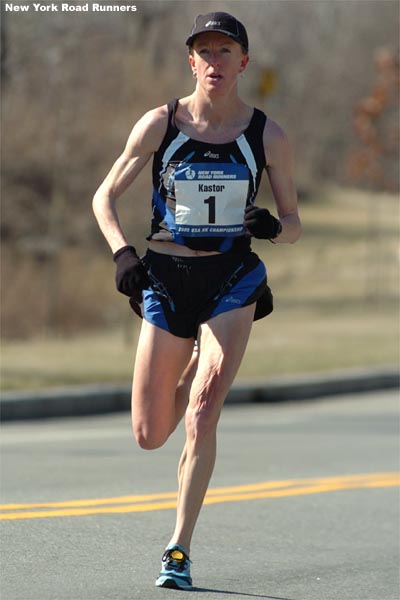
[220, 22]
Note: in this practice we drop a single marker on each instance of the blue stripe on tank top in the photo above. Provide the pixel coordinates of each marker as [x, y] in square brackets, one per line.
[158, 202]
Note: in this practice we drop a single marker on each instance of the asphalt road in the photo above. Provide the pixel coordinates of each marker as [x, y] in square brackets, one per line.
[303, 506]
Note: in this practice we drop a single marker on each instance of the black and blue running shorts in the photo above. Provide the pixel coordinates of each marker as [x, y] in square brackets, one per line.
[188, 291]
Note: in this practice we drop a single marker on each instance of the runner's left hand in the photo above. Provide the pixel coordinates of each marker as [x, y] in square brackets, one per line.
[260, 223]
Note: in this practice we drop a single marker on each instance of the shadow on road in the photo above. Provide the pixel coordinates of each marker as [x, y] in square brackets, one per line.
[237, 594]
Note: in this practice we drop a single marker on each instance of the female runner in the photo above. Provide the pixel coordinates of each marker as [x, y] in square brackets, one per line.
[199, 287]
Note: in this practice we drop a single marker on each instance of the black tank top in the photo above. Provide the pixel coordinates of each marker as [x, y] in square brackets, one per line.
[200, 190]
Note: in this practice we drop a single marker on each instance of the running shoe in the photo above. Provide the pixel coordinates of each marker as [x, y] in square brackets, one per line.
[175, 569]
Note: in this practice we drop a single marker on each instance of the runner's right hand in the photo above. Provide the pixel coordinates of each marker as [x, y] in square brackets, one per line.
[131, 276]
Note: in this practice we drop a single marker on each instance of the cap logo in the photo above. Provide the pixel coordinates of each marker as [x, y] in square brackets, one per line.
[209, 23]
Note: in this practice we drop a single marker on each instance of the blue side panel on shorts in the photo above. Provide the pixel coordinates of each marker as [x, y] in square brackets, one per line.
[153, 310]
[241, 291]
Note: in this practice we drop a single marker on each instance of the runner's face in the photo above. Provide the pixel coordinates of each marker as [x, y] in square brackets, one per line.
[217, 61]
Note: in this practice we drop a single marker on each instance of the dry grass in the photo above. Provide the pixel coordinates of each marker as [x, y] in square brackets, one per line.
[291, 341]
[303, 341]
[336, 305]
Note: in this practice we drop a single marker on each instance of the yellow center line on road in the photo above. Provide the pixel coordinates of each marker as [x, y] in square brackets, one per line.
[252, 487]
[167, 500]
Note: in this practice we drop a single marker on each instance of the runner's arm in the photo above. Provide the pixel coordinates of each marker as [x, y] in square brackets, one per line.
[280, 173]
[145, 138]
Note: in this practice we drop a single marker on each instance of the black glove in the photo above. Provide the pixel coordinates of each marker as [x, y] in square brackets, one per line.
[131, 276]
[261, 224]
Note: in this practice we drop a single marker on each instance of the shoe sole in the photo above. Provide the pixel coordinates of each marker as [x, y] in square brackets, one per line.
[173, 585]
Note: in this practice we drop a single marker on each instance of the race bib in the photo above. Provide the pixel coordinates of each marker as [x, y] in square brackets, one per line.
[210, 199]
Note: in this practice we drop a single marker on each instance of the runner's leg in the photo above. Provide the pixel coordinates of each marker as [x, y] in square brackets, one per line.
[223, 340]
[157, 404]
[184, 385]
[182, 399]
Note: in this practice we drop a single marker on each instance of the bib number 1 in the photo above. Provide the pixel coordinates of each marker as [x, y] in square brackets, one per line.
[210, 199]
[211, 208]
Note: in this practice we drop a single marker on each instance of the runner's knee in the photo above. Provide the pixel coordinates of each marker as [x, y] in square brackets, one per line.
[204, 410]
[148, 437]
[200, 423]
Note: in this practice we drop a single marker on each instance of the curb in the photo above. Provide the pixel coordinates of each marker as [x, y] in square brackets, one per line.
[102, 399]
